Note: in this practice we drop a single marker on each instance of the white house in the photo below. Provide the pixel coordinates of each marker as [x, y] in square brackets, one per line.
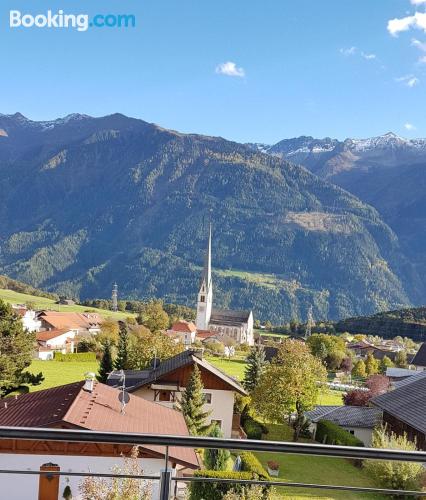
[164, 384]
[183, 331]
[55, 340]
[237, 325]
[357, 420]
[29, 318]
[89, 406]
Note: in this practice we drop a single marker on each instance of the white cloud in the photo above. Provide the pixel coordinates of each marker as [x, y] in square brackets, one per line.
[420, 45]
[408, 80]
[230, 69]
[418, 2]
[397, 25]
[422, 60]
[409, 126]
[351, 51]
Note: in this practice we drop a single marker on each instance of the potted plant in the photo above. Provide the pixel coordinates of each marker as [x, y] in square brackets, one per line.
[273, 468]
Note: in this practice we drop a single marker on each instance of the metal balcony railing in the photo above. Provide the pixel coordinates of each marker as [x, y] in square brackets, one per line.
[166, 480]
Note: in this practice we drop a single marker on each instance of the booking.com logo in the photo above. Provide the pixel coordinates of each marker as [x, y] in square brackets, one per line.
[80, 22]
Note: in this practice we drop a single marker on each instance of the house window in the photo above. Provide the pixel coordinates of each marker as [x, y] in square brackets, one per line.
[352, 432]
[203, 299]
[207, 398]
[217, 422]
[165, 396]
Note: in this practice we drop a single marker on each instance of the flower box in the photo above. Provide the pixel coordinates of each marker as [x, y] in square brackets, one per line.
[273, 468]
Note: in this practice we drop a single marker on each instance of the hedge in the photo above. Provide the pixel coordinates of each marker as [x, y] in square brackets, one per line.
[76, 356]
[217, 490]
[330, 433]
[250, 463]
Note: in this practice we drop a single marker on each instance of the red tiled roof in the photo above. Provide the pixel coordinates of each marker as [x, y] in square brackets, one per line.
[60, 320]
[205, 334]
[184, 326]
[51, 334]
[99, 410]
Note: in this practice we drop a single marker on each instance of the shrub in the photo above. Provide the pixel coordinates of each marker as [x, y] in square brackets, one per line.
[250, 463]
[252, 428]
[217, 490]
[86, 357]
[330, 433]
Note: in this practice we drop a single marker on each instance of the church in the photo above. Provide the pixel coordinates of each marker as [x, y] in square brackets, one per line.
[237, 325]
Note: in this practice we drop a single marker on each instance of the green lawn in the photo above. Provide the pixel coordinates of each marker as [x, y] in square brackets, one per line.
[60, 373]
[233, 367]
[311, 469]
[331, 398]
[43, 303]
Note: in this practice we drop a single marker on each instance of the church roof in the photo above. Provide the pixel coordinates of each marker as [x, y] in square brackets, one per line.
[225, 317]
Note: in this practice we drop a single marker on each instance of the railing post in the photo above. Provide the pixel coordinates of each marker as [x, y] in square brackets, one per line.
[166, 478]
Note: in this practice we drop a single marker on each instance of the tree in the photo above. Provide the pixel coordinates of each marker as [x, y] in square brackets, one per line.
[191, 405]
[255, 366]
[391, 474]
[377, 384]
[106, 365]
[329, 348]
[359, 370]
[356, 397]
[121, 362]
[144, 346]
[347, 364]
[384, 364]
[371, 365]
[401, 359]
[291, 383]
[109, 331]
[153, 316]
[16, 350]
[216, 459]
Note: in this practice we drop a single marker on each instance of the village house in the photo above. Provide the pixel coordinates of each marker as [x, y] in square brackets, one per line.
[165, 382]
[183, 331]
[357, 420]
[84, 323]
[90, 406]
[403, 409]
[28, 317]
[51, 341]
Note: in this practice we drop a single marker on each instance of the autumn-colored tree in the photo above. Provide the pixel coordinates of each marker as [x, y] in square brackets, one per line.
[144, 346]
[153, 316]
[291, 383]
[359, 370]
[109, 331]
[371, 365]
[356, 397]
[384, 364]
[377, 384]
[401, 359]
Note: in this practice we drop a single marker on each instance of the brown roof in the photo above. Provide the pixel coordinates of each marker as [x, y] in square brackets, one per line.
[99, 410]
[50, 334]
[205, 334]
[60, 320]
[184, 326]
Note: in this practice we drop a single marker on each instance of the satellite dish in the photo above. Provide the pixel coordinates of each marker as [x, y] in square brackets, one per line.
[123, 397]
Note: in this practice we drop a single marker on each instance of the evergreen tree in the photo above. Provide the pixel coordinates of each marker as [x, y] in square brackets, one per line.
[216, 459]
[121, 362]
[16, 350]
[371, 365]
[384, 364]
[359, 370]
[255, 365]
[106, 365]
[191, 405]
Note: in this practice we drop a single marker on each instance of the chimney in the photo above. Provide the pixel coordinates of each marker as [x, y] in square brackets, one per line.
[90, 381]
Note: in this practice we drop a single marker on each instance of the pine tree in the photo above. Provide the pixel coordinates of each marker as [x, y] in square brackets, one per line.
[371, 365]
[359, 369]
[216, 459]
[106, 364]
[16, 350]
[121, 361]
[255, 365]
[385, 363]
[191, 405]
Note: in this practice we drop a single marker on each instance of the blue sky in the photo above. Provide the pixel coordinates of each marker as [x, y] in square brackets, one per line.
[244, 70]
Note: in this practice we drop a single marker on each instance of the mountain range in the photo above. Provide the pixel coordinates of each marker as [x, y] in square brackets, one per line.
[90, 201]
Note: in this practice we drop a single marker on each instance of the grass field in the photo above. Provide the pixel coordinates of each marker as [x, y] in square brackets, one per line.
[311, 469]
[43, 303]
[60, 373]
[233, 367]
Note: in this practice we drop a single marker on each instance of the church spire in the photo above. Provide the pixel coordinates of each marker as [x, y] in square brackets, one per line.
[207, 273]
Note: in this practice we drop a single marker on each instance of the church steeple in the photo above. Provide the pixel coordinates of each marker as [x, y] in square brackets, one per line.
[205, 295]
